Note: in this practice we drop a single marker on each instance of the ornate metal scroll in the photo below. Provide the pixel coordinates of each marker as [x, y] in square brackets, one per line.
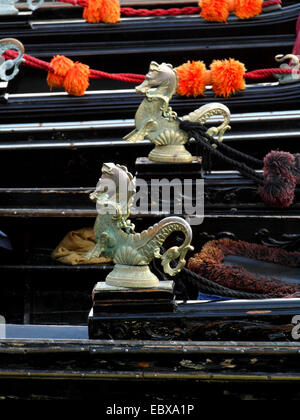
[10, 68]
[33, 5]
[293, 65]
[116, 238]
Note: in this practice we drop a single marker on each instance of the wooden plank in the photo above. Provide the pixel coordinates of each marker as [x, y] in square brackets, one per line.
[140, 361]
[134, 347]
[141, 375]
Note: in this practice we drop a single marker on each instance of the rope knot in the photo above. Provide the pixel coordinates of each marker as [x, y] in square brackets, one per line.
[64, 73]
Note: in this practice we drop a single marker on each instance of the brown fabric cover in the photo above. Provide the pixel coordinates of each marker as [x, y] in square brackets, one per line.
[73, 248]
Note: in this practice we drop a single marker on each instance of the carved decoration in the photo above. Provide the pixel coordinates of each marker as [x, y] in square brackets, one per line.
[192, 329]
[116, 237]
[155, 120]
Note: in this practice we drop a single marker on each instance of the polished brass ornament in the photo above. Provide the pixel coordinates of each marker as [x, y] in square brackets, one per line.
[156, 121]
[116, 238]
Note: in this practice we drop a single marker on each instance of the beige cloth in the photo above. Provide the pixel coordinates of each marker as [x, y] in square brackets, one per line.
[73, 248]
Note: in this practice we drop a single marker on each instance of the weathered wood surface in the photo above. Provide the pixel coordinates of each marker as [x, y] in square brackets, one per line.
[142, 361]
[153, 371]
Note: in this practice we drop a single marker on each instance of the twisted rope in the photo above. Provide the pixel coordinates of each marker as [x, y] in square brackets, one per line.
[198, 132]
[129, 11]
[173, 11]
[94, 74]
[266, 73]
[130, 77]
[233, 152]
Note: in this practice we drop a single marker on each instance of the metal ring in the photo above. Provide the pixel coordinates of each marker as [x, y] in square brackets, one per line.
[14, 41]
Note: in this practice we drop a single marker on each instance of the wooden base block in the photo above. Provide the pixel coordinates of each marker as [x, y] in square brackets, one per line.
[147, 170]
[110, 301]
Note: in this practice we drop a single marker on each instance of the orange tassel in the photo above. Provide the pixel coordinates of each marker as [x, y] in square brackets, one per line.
[107, 11]
[61, 65]
[92, 13]
[192, 78]
[73, 77]
[218, 10]
[245, 9]
[111, 11]
[214, 10]
[227, 77]
[77, 79]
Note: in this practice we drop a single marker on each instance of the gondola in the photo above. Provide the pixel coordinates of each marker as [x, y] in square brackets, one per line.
[122, 104]
[51, 24]
[116, 99]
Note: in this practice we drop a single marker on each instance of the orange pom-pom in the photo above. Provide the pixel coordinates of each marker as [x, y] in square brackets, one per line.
[92, 13]
[61, 65]
[227, 77]
[107, 11]
[192, 78]
[215, 10]
[110, 11]
[77, 79]
[245, 9]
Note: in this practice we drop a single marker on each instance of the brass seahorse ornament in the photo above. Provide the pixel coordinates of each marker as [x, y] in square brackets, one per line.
[156, 121]
[116, 238]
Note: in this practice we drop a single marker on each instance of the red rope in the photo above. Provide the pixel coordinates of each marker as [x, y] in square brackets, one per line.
[271, 3]
[129, 11]
[122, 77]
[94, 74]
[266, 73]
[29, 60]
[135, 78]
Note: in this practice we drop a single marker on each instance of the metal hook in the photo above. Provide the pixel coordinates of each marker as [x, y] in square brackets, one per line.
[7, 7]
[294, 59]
[294, 64]
[5, 65]
[32, 6]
